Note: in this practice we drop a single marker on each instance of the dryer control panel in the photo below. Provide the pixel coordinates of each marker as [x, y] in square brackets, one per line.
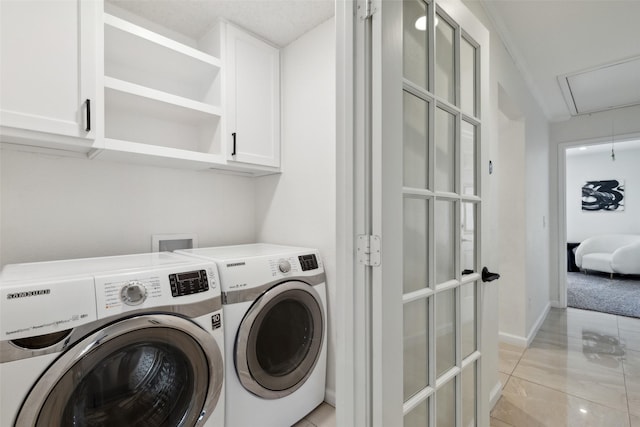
[308, 262]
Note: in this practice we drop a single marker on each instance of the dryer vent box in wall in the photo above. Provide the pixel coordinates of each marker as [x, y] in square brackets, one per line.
[173, 242]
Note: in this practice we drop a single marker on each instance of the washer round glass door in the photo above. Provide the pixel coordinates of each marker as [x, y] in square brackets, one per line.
[279, 340]
[150, 370]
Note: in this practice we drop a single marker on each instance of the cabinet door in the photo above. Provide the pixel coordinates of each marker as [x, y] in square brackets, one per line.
[252, 99]
[48, 55]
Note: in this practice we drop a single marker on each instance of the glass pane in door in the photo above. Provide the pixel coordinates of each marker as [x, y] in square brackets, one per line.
[469, 396]
[416, 347]
[467, 238]
[445, 60]
[415, 145]
[445, 331]
[468, 318]
[468, 159]
[467, 77]
[445, 224]
[415, 244]
[419, 416]
[445, 150]
[415, 42]
[446, 405]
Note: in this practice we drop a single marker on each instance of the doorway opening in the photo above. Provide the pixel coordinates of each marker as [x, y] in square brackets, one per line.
[602, 238]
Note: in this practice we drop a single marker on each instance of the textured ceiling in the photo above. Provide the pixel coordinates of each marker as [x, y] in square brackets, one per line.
[551, 38]
[279, 21]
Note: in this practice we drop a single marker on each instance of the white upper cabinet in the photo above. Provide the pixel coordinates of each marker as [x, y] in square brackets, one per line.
[89, 76]
[164, 96]
[252, 99]
[48, 72]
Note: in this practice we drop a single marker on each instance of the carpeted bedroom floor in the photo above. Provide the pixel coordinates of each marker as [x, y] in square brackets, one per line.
[594, 291]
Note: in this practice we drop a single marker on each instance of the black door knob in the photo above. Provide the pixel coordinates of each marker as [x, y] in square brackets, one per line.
[488, 276]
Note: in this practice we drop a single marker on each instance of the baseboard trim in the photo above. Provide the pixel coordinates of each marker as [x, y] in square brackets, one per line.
[516, 340]
[537, 324]
[494, 396]
[521, 341]
[330, 397]
[556, 304]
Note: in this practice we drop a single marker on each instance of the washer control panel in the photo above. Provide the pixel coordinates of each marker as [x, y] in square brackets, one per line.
[284, 266]
[133, 293]
[191, 282]
[293, 264]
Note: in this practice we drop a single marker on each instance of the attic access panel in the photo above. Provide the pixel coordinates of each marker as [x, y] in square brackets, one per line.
[603, 88]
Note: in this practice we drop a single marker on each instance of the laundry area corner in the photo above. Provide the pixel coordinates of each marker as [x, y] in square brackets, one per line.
[222, 129]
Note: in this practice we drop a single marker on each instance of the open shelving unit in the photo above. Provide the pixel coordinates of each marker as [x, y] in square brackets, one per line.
[161, 97]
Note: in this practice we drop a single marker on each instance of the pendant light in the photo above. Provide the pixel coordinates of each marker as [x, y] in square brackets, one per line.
[613, 153]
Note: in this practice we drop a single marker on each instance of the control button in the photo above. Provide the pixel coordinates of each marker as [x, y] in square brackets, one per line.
[133, 293]
[284, 266]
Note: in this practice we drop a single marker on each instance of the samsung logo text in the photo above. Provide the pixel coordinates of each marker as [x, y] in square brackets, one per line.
[29, 294]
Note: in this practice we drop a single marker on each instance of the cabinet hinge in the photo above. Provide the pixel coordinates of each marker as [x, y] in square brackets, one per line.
[369, 250]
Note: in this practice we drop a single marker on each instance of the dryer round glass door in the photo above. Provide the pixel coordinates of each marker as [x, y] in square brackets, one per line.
[151, 370]
[279, 340]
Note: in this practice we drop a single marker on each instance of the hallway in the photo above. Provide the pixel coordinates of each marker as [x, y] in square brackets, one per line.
[582, 369]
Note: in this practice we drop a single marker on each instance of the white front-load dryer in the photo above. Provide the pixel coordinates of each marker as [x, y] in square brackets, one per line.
[274, 304]
[118, 341]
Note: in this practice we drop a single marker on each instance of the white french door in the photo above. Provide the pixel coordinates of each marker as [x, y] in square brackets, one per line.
[420, 110]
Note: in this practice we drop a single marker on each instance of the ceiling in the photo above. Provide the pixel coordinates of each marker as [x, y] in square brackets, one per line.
[605, 149]
[576, 56]
[279, 21]
[575, 43]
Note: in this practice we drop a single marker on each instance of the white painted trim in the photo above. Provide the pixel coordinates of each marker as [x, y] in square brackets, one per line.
[525, 342]
[562, 226]
[516, 340]
[330, 397]
[536, 326]
[561, 236]
[494, 396]
[350, 384]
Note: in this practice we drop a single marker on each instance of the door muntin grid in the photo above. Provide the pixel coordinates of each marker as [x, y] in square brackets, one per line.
[441, 208]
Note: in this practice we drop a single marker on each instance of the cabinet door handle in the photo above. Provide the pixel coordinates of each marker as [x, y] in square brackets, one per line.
[233, 153]
[88, 104]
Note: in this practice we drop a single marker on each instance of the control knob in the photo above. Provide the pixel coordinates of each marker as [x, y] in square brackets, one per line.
[133, 293]
[284, 266]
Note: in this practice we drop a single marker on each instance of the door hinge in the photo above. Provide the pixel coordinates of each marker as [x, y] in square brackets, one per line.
[369, 250]
[367, 10]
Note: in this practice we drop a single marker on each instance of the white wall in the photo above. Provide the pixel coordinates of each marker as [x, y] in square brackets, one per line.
[299, 206]
[595, 127]
[511, 217]
[582, 167]
[66, 207]
[532, 306]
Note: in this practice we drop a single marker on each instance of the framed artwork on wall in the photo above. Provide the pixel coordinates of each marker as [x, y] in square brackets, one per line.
[604, 195]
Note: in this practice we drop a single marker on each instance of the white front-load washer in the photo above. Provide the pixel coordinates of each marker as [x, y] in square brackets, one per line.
[132, 340]
[274, 304]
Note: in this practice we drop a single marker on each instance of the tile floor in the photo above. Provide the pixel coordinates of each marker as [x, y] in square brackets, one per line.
[323, 416]
[582, 369]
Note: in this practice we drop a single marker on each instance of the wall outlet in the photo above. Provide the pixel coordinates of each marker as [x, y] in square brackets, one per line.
[173, 242]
